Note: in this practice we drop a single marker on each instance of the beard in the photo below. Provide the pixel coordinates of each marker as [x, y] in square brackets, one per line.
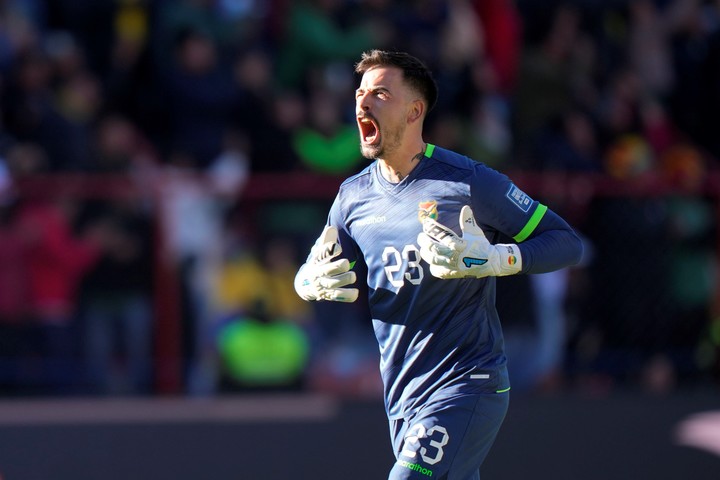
[389, 143]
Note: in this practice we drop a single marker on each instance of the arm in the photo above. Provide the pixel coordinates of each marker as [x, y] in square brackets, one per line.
[551, 245]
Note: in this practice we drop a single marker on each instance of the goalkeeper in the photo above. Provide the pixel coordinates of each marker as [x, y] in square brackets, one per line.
[424, 223]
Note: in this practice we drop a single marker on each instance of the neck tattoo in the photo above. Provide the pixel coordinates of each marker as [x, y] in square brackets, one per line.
[418, 156]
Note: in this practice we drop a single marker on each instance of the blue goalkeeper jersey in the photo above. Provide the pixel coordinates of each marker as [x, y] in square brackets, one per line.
[440, 338]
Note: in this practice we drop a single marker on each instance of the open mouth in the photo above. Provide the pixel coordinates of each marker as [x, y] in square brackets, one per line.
[369, 131]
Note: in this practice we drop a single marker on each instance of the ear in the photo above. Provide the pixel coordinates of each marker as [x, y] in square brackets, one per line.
[416, 111]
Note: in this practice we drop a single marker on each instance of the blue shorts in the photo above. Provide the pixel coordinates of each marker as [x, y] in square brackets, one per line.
[448, 440]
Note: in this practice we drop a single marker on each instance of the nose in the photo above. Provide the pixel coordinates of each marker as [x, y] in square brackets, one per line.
[362, 104]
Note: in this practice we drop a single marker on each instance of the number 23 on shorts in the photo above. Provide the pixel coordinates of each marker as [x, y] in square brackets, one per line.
[435, 437]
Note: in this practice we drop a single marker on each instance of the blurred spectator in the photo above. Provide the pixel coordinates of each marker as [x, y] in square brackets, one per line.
[254, 300]
[130, 80]
[536, 329]
[52, 99]
[65, 54]
[625, 109]
[212, 19]
[501, 39]
[193, 208]
[21, 22]
[273, 148]
[460, 48]
[79, 100]
[229, 171]
[268, 116]
[255, 271]
[648, 43]
[546, 78]
[628, 157]
[313, 39]
[119, 147]
[31, 114]
[240, 280]
[14, 279]
[692, 233]
[57, 261]
[281, 261]
[327, 144]
[550, 292]
[490, 135]
[201, 97]
[418, 26]
[14, 289]
[259, 351]
[630, 245]
[657, 126]
[116, 307]
[447, 128]
[695, 47]
[568, 143]
[116, 304]
[91, 22]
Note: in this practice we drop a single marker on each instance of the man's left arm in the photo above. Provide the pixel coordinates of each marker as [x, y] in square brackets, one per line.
[546, 243]
[552, 245]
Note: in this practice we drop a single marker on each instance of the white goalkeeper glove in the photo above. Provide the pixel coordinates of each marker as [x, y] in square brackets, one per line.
[472, 255]
[320, 278]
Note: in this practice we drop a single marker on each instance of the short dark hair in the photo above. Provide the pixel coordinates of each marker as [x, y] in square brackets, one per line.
[415, 72]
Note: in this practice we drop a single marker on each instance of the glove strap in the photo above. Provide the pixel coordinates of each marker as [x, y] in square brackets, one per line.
[510, 258]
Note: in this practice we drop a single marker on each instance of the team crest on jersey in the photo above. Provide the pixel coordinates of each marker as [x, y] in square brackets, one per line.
[427, 209]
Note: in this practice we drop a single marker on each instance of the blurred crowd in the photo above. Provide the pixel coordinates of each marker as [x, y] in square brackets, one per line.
[189, 100]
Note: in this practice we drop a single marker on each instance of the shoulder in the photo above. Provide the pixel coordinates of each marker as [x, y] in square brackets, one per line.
[352, 190]
[488, 187]
[359, 181]
[452, 160]
[463, 167]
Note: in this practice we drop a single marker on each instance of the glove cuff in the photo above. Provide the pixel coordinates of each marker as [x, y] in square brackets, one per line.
[510, 259]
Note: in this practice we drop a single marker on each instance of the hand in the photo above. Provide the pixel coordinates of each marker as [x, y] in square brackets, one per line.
[322, 279]
[472, 255]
